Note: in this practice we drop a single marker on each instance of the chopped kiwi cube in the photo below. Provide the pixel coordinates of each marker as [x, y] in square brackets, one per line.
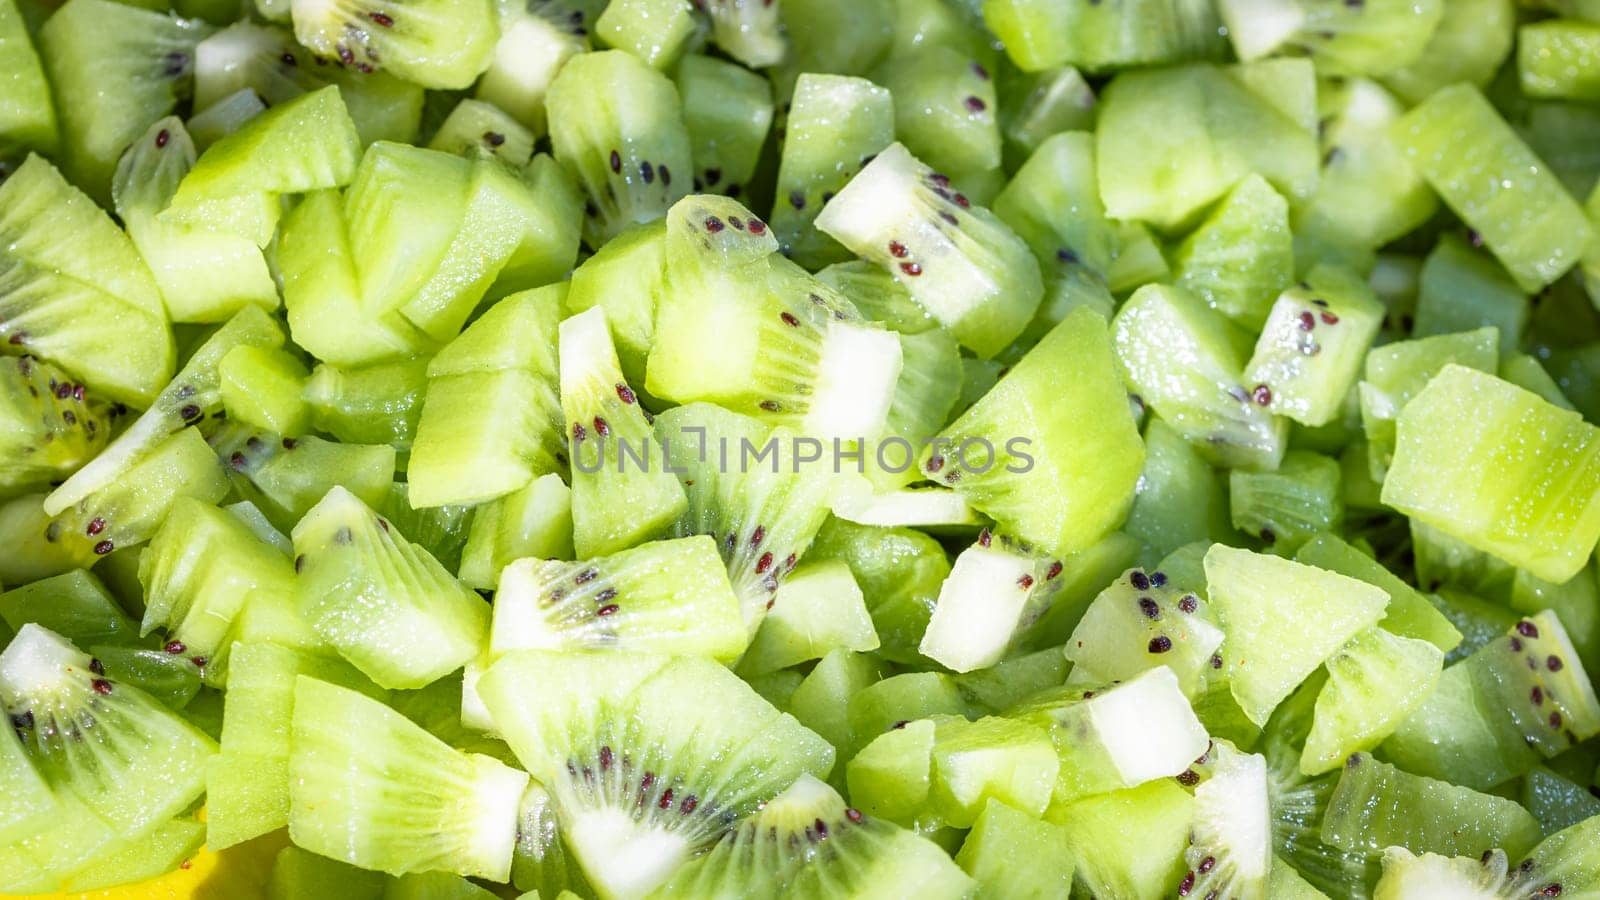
[372, 789]
[821, 701]
[1067, 385]
[899, 572]
[1230, 850]
[993, 758]
[699, 745]
[1149, 32]
[728, 111]
[264, 387]
[1521, 485]
[98, 316]
[148, 57]
[75, 605]
[663, 596]
[1397, 372]
[617, 126]
[1374, 683]
[138, 765]
[973, 274]
[28, 117]
[535, 520]
[1129, 843]
[1045, 104]
[1178, 499]
[1489, 177]
[891, 776]
[1141, 621]
[1312, 345]
[203, 275]
[1287, 507]
[1241, 256]
[819, 608]
[434, 43]
[946, 111]
[285, 476]
[49, 424]
[1408, 615]
[612, 507]
[491, 421]
[996, 589]
[656, 31]
[1013, 854]
[1377, 805]
[1552, 59]
[384, 602]
[475, 127]
[1462, 289]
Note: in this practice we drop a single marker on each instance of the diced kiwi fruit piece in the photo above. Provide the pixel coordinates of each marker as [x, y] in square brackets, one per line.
[147, 56]
[818, 609]
[504, 362]
[224, 117]
[379, 403]
[263, 387]
[996, 589]
[1170, 141]
[1012, 854]
[130, 509]
[1178, 499]
[890, 776]
[1377, 805]
[612, 507]
[1114, 737]
[1519, 486]
[887, 704]
[1462, 289]
[203, 275]
[385, 603]
[810, 362]
[1067, 384]
[71, 307]
[762, 514]
[1312, 344]
[375, 790]
[946, 112]
[1287, 507]
[973, 274]
[821, 700]
[1349, 714]
[617, 126]
[74, 605]
[1180, 358]
[993, 758]
[1230, 849]
[602, 730]
[664, 596]
[199, 572]
[434, 43]
[266, 61]
[1129, 843]
[1370, 39]
[28, 116]
[475, 127]
[49, 425]
[783, 847]
[285, 476]
[306, 144]
[1139, 622]
[193, 396]
[1282, 619]
[1460, 144]
[728, 112]
[1044, 104]
[137, 765]
[535, 520]
[1241, 256]
[1038, 35]
[1555, 801]
[1395, 373]
[656, 31]
[1550, 58]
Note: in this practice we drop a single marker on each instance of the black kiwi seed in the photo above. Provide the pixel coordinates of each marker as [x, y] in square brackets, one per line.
[494, 138]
